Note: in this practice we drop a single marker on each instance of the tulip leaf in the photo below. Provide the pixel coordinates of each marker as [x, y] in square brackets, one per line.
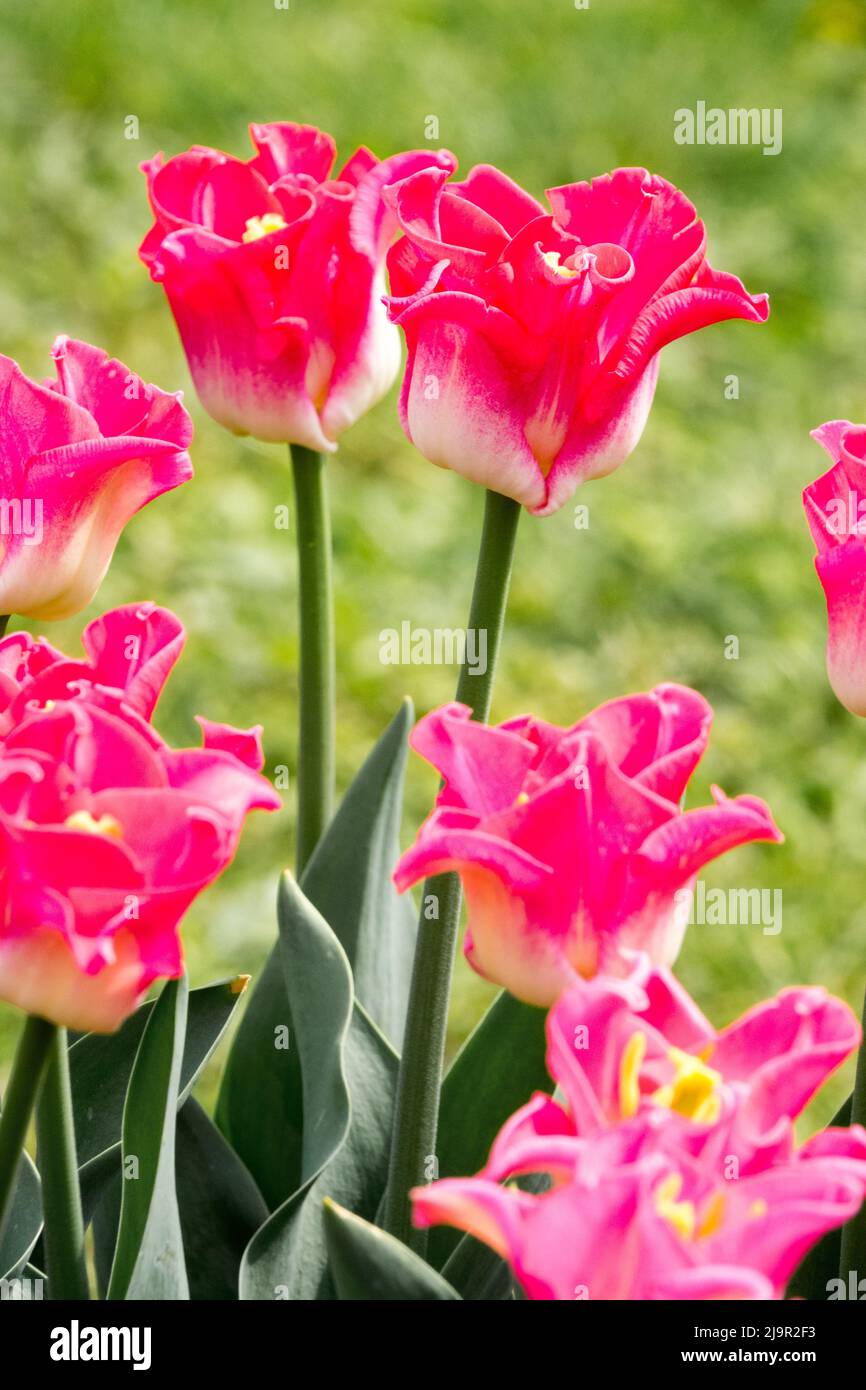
[24, 1222]
[261, 1103]
[348, 1072]
[148, 1259]
[101, 1064]
[220, 1206]
[367, 1264]
[349, 880]
[497, 1069]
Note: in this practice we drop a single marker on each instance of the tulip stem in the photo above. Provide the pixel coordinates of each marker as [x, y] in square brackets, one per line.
[31, 1056]
[420, 1077]
[316, 626]
[853, 1244]
[58, 1168]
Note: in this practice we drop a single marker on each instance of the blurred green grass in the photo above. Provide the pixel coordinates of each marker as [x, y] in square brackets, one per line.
[699, 536]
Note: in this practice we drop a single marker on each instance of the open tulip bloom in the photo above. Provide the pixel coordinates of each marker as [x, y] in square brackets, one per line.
[571, 843]
[534, 335]
[108, 834]
[274, 270]
[672, 1166]
[80, 455]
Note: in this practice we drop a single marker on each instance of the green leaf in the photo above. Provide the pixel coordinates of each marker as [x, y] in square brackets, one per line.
[220, 1206]
[349, 880]
[261, 1103]
[349, 1075]
[496, 1071]
[100, 1066]
[369, 1265]
[25, 1219]
[148, 1260]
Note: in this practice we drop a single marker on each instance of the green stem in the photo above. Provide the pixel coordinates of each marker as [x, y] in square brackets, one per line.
[316, 626]
[4, 623]
[31, 1054]
[58, 1169]
[853, 1251]
[420, 1077]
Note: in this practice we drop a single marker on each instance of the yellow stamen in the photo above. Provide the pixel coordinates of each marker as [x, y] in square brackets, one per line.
[263, 226]
[106, 825]
[693, 1090]
[713, 1216]
[680, 1215]
[566, 271]
[758, 1209]
[629, 1074]
[522, 798]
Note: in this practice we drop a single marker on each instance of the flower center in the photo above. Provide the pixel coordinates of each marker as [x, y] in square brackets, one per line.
[693, 1091]
[263, 226]
[554, 260]
[106, 825]
[683, 1216]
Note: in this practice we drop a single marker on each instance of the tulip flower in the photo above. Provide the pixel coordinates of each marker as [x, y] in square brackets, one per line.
[80, 457]
[836, 512]
[108, 834]
[639, 1045]
[672, 1166]
[570, 843]
[637, 1217]
[534, 335]
[274, 271]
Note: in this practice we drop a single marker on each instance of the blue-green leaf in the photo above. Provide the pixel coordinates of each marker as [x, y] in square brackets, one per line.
[148, 1260]
[261, 1103]
[348, 1073]
[367, 1264]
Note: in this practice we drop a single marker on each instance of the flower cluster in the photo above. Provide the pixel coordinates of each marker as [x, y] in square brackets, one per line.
[672, 1146]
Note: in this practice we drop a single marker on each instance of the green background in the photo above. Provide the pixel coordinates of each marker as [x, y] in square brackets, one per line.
[698, 537]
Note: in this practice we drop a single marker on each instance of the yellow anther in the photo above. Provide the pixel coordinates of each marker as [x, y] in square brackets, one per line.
[680, 1215]
[521, 799]
[553, 260]
[629, 1074]
[693, 1090]
[713, 1216]
[263, 226]
[106, 825]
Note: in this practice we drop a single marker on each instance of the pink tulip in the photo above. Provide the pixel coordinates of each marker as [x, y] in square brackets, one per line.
[618, 1048]
[274, 271]
[672, 1165]
[80, 457]
[534, 338]
[570, 843]
[637, 1217]
[107, 833]
[836, 512]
